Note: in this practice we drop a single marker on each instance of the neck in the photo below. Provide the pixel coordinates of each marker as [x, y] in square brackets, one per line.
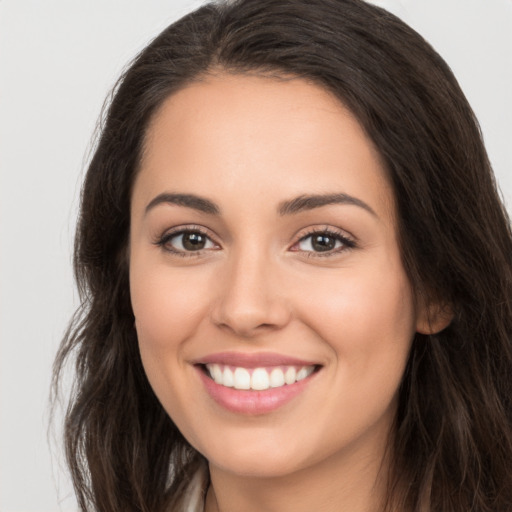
[347, 481]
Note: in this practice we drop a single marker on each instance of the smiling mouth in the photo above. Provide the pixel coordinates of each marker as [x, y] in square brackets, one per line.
[257, 379]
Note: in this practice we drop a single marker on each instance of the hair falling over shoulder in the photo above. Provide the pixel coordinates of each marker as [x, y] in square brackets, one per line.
[452, 444]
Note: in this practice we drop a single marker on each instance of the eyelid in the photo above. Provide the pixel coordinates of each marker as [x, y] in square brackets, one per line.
[348, 241]
[169, 234]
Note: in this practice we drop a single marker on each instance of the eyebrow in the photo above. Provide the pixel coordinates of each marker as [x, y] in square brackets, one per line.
[296, 205]
[189, 200]
[310, 202]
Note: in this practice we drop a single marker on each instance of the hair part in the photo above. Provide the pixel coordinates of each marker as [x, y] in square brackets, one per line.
[452, 444]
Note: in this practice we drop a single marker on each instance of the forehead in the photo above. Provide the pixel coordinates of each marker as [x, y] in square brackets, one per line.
[239, 134]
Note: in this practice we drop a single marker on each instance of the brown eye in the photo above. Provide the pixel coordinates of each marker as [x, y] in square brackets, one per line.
[193, 241]
[187, 241]
[324, 243]
[320, 242]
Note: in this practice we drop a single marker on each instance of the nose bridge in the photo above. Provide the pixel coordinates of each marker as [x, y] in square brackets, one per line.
[250, 299]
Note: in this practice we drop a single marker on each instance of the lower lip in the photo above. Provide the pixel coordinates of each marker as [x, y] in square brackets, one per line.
[253, 402]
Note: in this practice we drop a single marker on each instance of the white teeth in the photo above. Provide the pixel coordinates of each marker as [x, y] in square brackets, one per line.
[242, 379]
[228, 378]
[258, 379]
[289, 376]
[303, 373]
[276, 378]
[217, 373]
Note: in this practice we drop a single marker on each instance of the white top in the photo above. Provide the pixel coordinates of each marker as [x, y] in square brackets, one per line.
[193, 500]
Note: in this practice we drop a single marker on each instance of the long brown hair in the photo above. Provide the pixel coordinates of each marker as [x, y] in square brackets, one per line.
[452, 445]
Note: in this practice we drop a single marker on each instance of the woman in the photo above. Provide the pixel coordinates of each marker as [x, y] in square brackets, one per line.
[296, 274]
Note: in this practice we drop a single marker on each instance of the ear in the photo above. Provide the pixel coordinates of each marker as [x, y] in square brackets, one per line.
[433, 317]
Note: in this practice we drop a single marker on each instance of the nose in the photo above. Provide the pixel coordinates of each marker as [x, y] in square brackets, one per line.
[251, 300]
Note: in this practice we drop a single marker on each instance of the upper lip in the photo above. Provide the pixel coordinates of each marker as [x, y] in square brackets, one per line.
[252, 360]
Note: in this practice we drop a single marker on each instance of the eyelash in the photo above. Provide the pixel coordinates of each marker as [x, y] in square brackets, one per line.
[164, 240]
[338, 236]
[347, 243]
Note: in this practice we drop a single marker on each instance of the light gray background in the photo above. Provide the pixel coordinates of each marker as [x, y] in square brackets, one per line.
[58, 59]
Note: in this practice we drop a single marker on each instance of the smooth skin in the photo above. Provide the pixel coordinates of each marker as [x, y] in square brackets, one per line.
[248, 277]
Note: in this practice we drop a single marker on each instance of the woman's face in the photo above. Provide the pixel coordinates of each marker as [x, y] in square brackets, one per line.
[263, 252]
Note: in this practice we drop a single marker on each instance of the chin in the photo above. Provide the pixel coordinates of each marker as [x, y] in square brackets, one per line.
[263, 457]
[270, 466]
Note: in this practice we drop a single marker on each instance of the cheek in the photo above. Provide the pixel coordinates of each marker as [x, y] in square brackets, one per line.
[367, 319]
[165, 302]
[168, 309]
[372, 302]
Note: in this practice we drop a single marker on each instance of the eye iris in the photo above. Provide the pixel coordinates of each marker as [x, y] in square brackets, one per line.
[323, 243]
[193, 241]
